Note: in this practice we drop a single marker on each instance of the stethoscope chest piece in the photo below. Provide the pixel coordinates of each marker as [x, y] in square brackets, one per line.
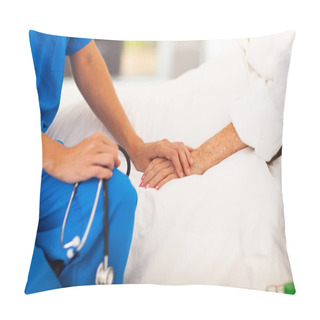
[104, 273]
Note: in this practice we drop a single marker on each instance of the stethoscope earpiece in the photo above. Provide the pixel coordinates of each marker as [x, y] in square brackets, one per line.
[70, 253]
[76, 241]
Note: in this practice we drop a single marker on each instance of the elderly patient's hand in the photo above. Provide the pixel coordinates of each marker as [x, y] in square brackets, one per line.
[160, 171]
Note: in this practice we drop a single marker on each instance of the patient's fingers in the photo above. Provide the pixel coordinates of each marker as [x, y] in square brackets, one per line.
[151, 166]
[159, 174]
[165, 180]
[157, 166]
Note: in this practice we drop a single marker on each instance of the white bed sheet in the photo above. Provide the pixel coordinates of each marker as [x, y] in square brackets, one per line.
[206, 230]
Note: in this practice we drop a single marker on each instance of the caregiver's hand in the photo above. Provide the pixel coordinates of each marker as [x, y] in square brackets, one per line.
[178, 154]
[95, 156]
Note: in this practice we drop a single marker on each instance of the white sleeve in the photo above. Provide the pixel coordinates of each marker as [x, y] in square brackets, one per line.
[258, 121]
[257, 114]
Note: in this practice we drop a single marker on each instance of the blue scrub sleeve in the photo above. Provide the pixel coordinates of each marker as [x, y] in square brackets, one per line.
[75, 44]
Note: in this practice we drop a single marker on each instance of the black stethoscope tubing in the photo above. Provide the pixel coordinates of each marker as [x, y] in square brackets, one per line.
[105, 197]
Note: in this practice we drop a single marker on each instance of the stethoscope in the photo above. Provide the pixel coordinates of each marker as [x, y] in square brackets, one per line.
[105, 273]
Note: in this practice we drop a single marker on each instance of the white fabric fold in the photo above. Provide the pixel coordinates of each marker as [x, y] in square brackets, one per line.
[257, 114]
[257, 121]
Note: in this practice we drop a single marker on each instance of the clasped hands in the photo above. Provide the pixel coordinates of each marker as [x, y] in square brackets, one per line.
[162, 170]
[97, 155]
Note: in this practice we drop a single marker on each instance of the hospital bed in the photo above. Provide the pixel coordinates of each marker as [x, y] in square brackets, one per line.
[225, 227]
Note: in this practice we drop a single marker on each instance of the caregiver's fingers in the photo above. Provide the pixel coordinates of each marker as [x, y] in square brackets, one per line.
[98, 143]
[99, 172]
[104, 155]
[164, 149]
[184, 158]
[174, 152]
[104, 139]
[187, 151]
[105, 160]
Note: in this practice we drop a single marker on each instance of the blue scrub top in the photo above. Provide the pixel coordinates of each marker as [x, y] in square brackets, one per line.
[48, 53]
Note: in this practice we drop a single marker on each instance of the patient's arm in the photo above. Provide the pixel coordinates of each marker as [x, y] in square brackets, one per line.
[210, 153]
[221, 146]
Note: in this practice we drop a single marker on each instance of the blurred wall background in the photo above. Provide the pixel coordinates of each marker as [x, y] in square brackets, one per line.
[154, 60]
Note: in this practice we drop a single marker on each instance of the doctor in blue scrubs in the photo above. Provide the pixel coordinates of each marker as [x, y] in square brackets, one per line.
[93, 158]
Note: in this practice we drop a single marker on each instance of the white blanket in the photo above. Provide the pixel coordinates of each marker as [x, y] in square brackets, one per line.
[227, 226]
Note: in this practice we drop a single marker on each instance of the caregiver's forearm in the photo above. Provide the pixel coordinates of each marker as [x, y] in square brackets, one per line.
[219, 147]
[93, 80]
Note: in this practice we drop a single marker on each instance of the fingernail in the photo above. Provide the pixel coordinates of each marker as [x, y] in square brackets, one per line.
[142, 177]
[141, 184]
[157, 188]
[147, 186]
